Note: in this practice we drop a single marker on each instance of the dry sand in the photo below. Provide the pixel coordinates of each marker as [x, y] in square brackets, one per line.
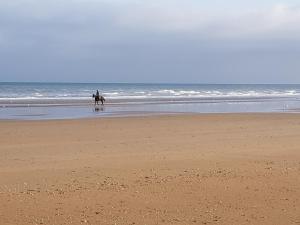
[203, 169]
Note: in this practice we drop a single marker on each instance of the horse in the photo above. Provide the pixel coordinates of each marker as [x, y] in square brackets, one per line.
[99, 98]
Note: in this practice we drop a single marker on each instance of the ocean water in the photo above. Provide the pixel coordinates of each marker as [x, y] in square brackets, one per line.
[74, 100]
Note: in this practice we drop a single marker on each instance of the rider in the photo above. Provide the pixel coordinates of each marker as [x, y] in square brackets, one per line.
[97, 97]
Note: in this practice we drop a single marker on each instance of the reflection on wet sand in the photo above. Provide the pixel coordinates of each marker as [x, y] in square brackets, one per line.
[84, 111]
[99, 109]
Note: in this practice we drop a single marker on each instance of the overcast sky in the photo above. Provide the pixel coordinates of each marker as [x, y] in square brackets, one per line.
[186, 41]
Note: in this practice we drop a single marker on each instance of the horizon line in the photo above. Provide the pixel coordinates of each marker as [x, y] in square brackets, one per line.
[173, 83]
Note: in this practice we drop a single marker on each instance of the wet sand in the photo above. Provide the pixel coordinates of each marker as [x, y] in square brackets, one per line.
[183, 169]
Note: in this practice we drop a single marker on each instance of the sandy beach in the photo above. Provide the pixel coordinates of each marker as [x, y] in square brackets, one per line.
[180, 169]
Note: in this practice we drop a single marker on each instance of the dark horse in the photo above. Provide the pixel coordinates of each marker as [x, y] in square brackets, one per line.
[98, 98]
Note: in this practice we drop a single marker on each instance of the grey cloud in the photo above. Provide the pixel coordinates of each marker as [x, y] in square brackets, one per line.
[135, 41]
[95, 21]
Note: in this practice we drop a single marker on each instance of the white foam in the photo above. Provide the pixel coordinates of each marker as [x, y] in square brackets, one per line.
[69, 92]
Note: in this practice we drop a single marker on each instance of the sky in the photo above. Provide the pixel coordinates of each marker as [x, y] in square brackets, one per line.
[169, 41]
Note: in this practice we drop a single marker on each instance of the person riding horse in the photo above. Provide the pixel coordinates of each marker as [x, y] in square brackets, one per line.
[98, 98]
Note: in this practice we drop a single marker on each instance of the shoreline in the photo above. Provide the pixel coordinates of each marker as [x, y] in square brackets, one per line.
[151, 100]
[146, 115]
[140, 115]
[124, 109]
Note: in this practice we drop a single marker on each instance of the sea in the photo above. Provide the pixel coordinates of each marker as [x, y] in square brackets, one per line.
[36, 101]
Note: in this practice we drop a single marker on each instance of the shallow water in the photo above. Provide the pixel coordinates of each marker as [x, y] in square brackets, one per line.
[12, 92]
[120, 110]
[66, 100]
